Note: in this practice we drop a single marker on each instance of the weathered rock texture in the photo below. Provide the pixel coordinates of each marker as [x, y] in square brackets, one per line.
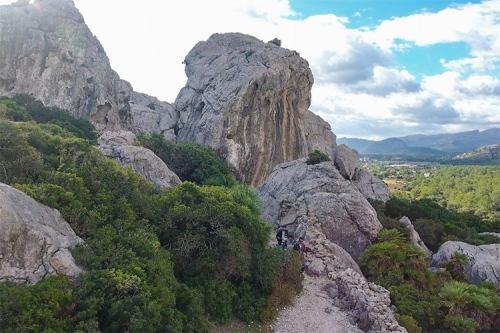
[248, 101]
[150, 115]
[299, 195]
[119, 147]
[324, 256]
[319, 135]
[49, 53]
[368, 303]
[484, 264]
[370, 186]
[34, 239]
[414, 236]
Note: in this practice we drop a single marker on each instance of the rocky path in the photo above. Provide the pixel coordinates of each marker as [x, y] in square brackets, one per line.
[313, 312]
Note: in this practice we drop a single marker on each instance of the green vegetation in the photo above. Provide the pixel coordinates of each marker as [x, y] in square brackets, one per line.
[470, 189]
[191, 161]
[170, 262]
[317, 157]
[426, 301]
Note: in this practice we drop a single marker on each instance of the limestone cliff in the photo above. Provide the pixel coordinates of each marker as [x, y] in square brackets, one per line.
[48, 52]
[247, 100]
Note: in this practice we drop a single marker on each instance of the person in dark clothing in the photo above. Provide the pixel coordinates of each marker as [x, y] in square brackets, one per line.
[282, 237]
[300, 246]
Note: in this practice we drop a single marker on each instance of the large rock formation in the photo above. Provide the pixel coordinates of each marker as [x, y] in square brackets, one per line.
[119, 146]
[49, 53]
[298, 195]
[484, 264]
[34, 241]
[247, 100]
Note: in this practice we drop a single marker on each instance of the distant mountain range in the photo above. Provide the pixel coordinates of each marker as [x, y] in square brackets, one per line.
[430, 145]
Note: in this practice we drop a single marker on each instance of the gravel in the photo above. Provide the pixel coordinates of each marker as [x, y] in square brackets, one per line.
[313, 312]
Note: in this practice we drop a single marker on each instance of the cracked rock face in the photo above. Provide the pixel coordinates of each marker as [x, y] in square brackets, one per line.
[299, 195]
[34, 241]
[484, 264]
[247, 100]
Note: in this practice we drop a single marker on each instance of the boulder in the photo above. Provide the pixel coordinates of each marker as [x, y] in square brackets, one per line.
[414, 236]
[35, 239]
[319, 135]
[483, 260]
[119, 147]
[370, 186]
[247, 100]
[298, 195]
[347, 160]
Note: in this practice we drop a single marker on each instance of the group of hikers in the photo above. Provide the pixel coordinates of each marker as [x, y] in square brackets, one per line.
[282, 238]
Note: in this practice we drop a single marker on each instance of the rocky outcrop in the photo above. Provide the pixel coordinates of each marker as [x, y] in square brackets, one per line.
[347, 160]
[324, 256]
[483, 260]
[150, 115]
[119, 147]
[298, 195]
[35, 239]
[319, 135]
[368, 303]
[370, 186]
[48, 52]
[247, 100]
[414, 236]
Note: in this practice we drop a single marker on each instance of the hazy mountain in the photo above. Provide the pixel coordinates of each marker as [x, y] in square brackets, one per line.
[486, 154]
[420, 144]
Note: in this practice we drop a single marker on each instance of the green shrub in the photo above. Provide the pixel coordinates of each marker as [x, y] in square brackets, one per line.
[43, 307]
[409, 323]
[317, 157]
[459, 324]
[190, 161]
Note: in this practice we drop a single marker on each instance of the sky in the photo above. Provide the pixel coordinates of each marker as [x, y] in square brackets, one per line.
[382, 68]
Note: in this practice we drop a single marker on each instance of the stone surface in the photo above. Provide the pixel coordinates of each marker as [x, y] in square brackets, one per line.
[370, 186]
[34, 241]
[319, 135]
[368, 303]
[484, 264]
[347, 160]
[119, 147]
[150, 115]
[414, 236]
[48, 52]
[247, 100]
[299, 195]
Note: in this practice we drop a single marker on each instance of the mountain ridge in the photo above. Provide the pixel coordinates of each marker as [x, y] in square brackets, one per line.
[422, 144]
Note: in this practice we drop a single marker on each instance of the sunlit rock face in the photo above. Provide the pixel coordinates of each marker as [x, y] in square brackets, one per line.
[247, 100]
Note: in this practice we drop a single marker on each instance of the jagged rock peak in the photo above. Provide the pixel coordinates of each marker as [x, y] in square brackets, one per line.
[35, 239]
[248, 101]
[48, 52]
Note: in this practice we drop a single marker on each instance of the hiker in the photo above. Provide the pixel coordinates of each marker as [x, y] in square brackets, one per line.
[300, 246]
[282, 237]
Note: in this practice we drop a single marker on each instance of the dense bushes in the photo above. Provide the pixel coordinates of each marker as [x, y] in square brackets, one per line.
[154, 262]
[191, 161]
[317, 157]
